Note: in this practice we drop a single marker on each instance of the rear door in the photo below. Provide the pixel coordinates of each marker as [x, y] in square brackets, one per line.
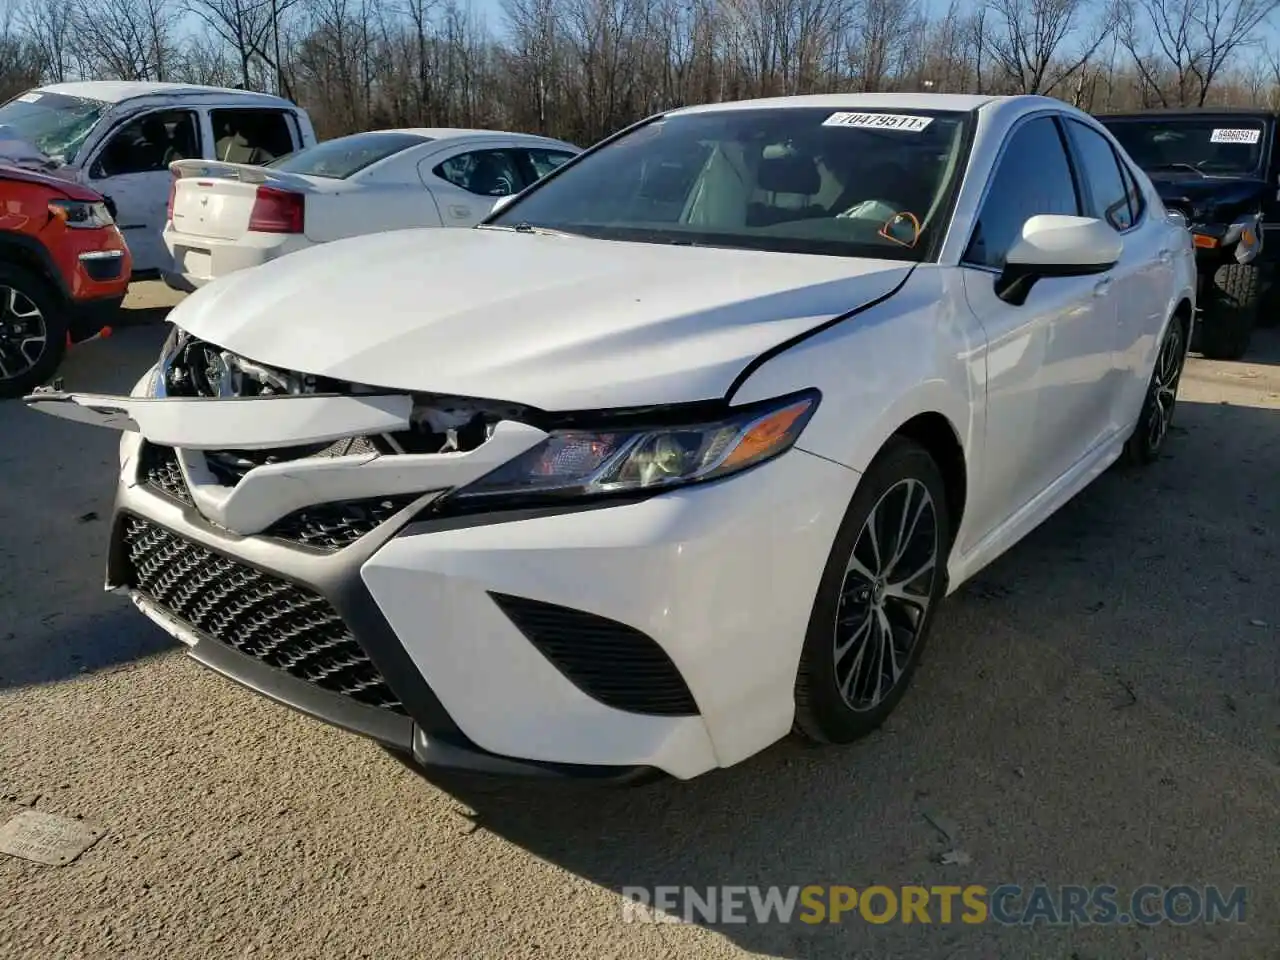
[466, 180]
[131, 166]
[1048, 359]
[1140, 281]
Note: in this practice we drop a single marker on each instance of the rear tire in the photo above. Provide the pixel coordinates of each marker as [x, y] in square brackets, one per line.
[884, 578]
[33, 331]
[1230, 311]
[1148, 437]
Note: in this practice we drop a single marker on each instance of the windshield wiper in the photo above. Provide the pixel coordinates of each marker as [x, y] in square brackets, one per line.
[525, 227]
[1176, 166]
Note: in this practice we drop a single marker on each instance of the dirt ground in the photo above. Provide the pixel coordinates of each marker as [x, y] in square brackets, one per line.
[1099, 706]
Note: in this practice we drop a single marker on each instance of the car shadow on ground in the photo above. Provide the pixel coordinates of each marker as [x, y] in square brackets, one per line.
[57, 482]
[1135, 630]
[66, 646]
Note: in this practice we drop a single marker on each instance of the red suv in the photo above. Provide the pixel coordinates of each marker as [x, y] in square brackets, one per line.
[64, 268]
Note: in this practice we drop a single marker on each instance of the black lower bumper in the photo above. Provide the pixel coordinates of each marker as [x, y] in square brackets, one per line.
[87, 318]
[423, 735]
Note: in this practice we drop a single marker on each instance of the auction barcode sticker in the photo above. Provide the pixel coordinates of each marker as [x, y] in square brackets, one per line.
[878, 121]
[1226, 135]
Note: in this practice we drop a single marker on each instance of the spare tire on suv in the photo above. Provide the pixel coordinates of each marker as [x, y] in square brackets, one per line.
[1231, 304]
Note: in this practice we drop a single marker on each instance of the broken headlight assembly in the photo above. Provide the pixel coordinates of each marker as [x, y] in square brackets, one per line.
[572, 464]
[81, 215]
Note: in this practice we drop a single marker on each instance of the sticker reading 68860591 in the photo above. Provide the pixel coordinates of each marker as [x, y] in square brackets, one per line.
[1243, 135]
[878, 121]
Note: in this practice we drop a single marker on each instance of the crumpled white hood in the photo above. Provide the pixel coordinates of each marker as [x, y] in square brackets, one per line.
[559, 323]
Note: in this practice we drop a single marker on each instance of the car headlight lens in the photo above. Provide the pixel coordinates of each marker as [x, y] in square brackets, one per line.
[81, 215]
[575, 463]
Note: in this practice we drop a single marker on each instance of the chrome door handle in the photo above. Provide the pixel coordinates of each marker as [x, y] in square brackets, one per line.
[1102, 288]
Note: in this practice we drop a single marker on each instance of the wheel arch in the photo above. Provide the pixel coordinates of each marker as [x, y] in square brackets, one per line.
[29, 254]
[937, 434]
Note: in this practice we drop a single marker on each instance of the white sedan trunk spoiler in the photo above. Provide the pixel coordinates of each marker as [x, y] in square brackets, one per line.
[239, 172]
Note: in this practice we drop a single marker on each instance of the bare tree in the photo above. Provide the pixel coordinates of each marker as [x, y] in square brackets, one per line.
[50, 27]
[1180, 47]
[1028, 37]
[125, 39]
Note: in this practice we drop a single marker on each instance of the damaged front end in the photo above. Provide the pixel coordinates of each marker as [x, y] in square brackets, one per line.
[257, 450]
[251, 446]
[193, 368]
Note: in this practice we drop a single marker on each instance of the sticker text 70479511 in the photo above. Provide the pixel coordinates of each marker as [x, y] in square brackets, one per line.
[1228, 135]
[878, 121]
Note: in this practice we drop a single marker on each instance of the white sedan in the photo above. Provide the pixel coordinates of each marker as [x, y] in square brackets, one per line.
[677, 453]
[225, 217]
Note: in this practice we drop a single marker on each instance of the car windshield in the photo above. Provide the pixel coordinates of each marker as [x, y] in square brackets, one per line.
[1206, 145]
[792, 179]
[56, 124]
[341, 158]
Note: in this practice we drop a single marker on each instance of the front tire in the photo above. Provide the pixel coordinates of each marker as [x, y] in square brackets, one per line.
[884, 578]
[1144, 444]
[1230, 311]
[33, 331]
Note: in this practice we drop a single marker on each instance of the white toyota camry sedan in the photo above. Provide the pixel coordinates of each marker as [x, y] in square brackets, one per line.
[678, 453]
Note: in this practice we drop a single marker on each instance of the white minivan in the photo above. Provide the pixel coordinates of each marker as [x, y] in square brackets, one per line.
[119, 137]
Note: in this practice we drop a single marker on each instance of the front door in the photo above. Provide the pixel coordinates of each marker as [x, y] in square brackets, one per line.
[1048, 359]
[132, 168]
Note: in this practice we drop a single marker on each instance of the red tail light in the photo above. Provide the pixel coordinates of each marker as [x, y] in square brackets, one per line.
[173, 189]
[277, 211]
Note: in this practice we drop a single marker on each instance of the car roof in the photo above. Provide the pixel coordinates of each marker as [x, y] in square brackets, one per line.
[851, 101]
[118, 91]
[1188, 112]
[457, 133]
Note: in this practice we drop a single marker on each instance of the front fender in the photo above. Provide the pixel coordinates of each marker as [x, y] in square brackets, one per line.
[915, 353]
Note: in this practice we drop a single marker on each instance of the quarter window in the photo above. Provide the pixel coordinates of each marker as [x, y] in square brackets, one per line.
[1105, 184]
[250, 136]
[489, 173]
[1033, 177]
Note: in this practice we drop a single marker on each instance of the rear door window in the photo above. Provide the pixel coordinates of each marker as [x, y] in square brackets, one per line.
[250, 135]
[487, 173]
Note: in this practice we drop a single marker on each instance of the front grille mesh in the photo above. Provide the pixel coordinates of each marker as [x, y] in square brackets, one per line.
[609, 661]
[158, 468]
[332, 526]
[280, 623]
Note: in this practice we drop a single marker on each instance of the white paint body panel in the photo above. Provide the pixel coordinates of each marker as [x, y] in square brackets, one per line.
[684, 568]
[567, 322]
[1040, 398]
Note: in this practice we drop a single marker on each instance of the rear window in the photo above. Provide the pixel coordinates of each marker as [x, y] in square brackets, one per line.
[341, 158]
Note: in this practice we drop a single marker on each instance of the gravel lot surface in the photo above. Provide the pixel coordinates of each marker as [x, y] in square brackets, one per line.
[1100, 706]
